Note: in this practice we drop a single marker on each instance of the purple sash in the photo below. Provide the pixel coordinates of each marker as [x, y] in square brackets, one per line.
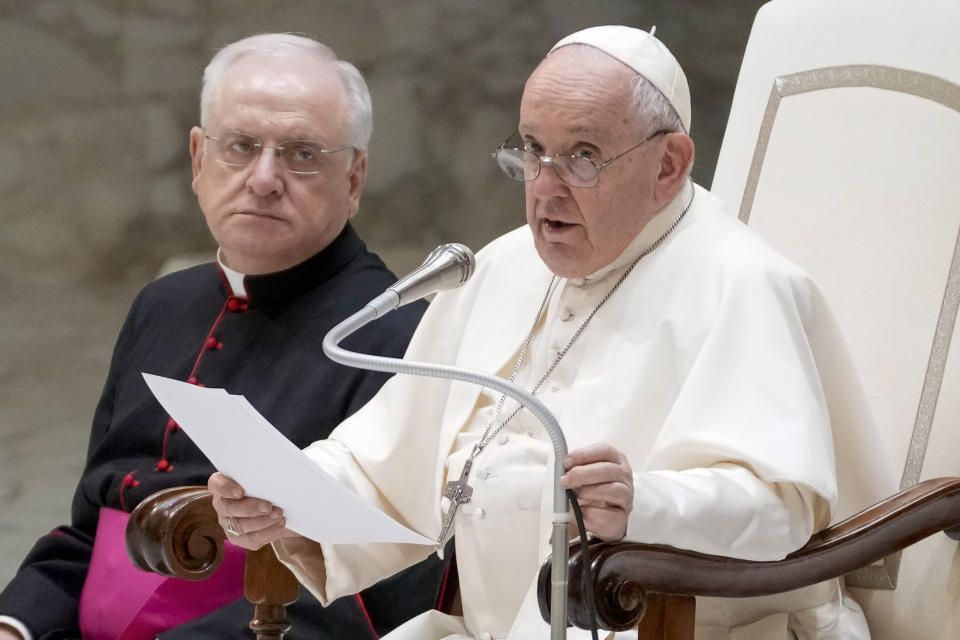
[120, 602]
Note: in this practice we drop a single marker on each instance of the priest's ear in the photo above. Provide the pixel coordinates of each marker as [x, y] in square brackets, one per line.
[676, 161]
[196, 154]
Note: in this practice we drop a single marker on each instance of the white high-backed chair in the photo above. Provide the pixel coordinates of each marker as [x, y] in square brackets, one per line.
[843, 151]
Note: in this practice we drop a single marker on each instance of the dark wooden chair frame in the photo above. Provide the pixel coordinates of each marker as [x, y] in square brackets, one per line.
[651, 588]
[175, 533]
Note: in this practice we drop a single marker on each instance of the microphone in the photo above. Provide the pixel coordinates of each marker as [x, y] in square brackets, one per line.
[446, 267]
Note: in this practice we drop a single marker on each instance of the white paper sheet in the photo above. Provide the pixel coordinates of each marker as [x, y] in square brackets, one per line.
[243, 444]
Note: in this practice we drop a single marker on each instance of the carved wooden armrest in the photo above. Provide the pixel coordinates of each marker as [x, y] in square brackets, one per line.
[627, 575]
[175, 533]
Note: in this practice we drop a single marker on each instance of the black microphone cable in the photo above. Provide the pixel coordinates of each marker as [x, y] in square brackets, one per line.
[586, 578]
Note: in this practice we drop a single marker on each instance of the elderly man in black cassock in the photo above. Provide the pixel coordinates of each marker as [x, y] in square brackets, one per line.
[279, 163]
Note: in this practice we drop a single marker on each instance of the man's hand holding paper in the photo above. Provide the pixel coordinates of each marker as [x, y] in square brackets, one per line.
[249, 522]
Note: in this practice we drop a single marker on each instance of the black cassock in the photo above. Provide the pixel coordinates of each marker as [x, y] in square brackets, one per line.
[267, 347]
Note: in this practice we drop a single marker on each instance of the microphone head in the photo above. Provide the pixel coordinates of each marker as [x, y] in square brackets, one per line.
[458, 255]
[446, 267]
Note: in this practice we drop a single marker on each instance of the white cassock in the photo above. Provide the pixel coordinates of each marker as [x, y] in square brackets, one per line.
[716, 367]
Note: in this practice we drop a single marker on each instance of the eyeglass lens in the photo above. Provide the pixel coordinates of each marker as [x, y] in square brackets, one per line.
[524, 165]
[298, 156]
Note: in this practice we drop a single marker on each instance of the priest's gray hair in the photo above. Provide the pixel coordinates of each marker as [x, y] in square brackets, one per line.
[359, 107]
[653, 109]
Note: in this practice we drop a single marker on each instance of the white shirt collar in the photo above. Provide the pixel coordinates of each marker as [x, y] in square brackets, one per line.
[234, 278]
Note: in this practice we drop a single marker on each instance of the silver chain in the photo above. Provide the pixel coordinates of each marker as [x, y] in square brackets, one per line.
[484, 441]
[487, 437]
[460, 491]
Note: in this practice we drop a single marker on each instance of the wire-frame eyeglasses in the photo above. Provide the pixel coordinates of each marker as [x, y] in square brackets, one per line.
[524, 165]
[301, 157]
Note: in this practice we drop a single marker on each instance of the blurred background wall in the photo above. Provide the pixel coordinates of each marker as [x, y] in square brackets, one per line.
[96, 100]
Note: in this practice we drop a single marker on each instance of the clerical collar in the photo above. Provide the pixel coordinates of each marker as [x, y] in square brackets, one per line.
[273, 287]
[653, 230]
[234, 278]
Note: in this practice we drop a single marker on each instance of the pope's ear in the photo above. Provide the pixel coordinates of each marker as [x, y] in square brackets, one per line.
[676, 159]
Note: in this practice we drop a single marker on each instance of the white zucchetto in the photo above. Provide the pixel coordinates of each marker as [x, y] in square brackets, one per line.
[643, 53]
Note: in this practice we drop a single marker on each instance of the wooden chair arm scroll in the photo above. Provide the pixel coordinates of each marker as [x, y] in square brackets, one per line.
[175, 533]
[630, 579]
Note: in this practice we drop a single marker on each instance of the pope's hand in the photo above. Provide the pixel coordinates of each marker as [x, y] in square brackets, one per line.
[603, 480]
[249, 522]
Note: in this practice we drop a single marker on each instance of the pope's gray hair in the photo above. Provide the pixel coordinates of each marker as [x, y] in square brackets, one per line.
[359, 107]
[654, 111]
[652, 107]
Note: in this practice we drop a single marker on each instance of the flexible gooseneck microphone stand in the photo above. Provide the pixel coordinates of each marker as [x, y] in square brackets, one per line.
[433, 275]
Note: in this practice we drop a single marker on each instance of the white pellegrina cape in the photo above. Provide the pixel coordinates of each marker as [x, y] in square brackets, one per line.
[716, 367]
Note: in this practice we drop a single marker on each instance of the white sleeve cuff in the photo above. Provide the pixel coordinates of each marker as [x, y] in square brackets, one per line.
[18, 626]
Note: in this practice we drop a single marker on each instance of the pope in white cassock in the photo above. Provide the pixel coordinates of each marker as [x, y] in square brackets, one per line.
[695, 372]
